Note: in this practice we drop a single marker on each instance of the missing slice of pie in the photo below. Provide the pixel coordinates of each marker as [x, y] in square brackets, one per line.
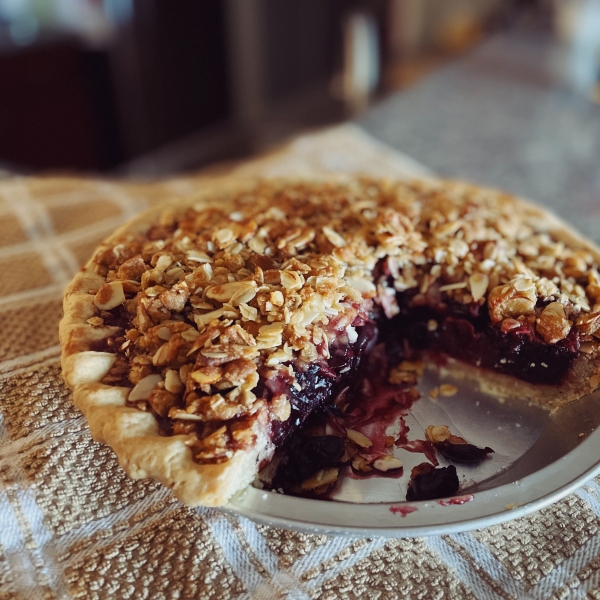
[204, 333]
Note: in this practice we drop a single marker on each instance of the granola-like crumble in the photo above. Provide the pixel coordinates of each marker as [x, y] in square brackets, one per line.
[216, 307]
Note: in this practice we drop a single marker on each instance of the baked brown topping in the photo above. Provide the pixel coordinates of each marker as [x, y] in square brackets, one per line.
[217, 304]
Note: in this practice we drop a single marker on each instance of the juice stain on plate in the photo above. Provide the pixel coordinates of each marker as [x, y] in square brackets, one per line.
[403, 510]
[456, 500]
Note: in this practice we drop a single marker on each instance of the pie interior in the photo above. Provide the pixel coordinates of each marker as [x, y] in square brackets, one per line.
[287, 314]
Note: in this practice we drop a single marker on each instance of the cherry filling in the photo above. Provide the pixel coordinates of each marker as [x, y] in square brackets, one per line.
[467, 333]
[370, 403]
[320, 382]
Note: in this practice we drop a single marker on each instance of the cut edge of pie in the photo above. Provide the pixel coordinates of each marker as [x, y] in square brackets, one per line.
[134, 435]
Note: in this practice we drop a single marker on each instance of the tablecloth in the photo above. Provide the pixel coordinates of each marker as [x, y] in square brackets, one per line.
[73, 525]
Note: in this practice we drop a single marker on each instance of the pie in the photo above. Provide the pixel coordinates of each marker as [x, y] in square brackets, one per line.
[204, 333]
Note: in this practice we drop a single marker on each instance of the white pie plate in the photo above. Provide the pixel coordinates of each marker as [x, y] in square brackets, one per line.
[539, 458]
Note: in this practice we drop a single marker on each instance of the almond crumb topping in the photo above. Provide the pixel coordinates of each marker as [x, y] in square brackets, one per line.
[211, 298]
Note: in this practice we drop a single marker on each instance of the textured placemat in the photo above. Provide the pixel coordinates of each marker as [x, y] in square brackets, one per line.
[72, 525]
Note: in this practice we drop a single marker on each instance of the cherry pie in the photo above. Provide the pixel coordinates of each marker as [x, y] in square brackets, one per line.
[206, 334]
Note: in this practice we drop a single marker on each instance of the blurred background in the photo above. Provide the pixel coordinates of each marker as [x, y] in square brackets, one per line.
[149, 87]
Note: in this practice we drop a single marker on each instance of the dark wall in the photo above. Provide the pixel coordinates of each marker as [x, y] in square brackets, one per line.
[57, 109]
[182, 58]
[302, 43]
[63, 106]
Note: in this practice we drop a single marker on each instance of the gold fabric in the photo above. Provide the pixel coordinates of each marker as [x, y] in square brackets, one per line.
[73, 525]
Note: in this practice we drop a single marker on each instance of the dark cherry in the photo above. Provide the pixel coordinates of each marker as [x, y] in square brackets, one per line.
[321, 382]
[102, 346]
[316, 391]
[314, 453]
[305, 456]
[462, 453]
[117, 317]
[433, 483]
[346, 359]
[326, 449]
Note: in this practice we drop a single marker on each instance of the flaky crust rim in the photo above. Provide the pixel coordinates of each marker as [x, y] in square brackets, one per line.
[134, 436]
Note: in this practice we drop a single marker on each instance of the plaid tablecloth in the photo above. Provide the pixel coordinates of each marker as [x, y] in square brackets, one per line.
[73, 525]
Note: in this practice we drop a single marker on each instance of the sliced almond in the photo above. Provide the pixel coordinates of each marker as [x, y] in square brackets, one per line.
[552, 324]
[335, 238]
[478, 282]
[110, 295]
[143, 389]
[321, 478]
[291, 280]
[223, 237]
[437, 433]
[360, 463]
[235, 291]
[555, 309]
[350, 450]
[207, 375]
[523, 284]
[280, 407]
[206, 318]
[358, 438]
[364, 286]
[173, 382]
[95, 321]
[269, 336]
[161, 356]
[453, 286]
[197, 256]
[277, 298]
[244, 294]
[190, 335]
[142, 359]
[387, 462]
[249, 313]
[164, 333]
[177, 413]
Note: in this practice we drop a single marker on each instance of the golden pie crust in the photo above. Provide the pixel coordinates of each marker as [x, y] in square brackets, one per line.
[260, 274]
